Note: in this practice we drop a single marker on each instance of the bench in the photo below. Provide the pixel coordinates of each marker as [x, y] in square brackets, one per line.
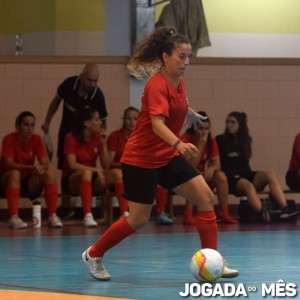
[170, 199]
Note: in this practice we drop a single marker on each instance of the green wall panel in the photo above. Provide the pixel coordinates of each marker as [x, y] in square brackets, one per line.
[80, 15]
[51, 15]
[26, 16]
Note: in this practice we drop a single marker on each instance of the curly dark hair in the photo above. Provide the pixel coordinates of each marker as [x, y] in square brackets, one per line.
[147, 57]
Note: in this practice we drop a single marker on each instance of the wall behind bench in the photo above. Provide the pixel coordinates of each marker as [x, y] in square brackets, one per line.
[268, 90]
[30, 83]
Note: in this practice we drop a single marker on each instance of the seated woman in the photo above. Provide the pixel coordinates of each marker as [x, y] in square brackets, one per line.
[83, 146]
[235, 146]
[116, 143]
[292, 177]
[208, 163]
[24, 170]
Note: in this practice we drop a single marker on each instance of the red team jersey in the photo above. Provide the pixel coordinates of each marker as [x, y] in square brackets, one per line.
[205, 157]
[144, 148]
[22, 153]
[116, 142]
[295, 159]
[86, 153]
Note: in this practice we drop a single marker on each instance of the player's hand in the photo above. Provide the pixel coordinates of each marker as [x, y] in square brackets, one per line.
[188, 150]
[101, 176]
[39, 169]
[191, 118]
[103, 135]
[195, 117]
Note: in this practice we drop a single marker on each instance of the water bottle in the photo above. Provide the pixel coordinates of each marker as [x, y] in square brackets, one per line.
[19, 45]
[36, 214]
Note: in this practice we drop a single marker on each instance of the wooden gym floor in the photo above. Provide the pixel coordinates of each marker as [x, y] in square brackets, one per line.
[46, 263]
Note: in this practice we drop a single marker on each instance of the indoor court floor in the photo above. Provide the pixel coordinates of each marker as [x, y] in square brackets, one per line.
[46, 263]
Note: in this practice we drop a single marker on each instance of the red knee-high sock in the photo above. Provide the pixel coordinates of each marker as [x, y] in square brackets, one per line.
[85, 191]
[123, 205]
[226, 217]
[112, 236]
[189, 211]
[13, 196]
[161, 199]
[50, 194]
[207, 229]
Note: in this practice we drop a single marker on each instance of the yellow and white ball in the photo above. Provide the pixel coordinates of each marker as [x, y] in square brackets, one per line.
[207, 265]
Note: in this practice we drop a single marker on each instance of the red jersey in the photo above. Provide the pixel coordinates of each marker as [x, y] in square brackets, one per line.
[205, 156]
[86, 153]
[160, 97]
[295, 159]
[116, 142]
[21, 153]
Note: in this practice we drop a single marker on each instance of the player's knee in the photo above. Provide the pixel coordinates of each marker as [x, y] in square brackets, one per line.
[206, 202]
[211, 197]
[13, 176]
[220, 177]
[50, 176]
[117, 175]
[87, 175]
[137, 222]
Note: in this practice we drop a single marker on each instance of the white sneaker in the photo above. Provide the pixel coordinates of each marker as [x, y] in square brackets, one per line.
[89, 221]
[163, 219]
[95, 266]
[230, 273]
[55, 222]
[16, 223]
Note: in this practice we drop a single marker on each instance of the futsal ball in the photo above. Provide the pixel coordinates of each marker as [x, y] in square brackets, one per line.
[207, 265]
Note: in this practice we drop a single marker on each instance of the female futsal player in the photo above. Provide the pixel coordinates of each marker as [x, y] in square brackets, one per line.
[116, 142]
[235, 146]
[25, 171]
[208, 163]
[83, 147]
[154, 154]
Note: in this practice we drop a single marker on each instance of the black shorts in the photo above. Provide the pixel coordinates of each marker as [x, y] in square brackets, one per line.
[65, 185]
[292, 181]
[60, 153]
[140, 183]
[233, 181]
